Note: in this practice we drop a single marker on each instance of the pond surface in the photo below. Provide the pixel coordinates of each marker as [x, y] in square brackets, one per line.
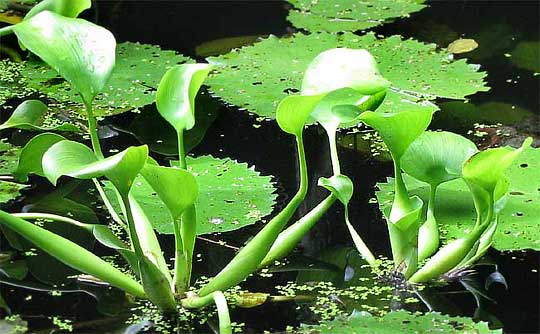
[183, 25]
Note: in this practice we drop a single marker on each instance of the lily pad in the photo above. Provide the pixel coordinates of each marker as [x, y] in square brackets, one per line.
[526, 56]
[132, 85]
[258, 77]
[348, 15]
[400, 322]
[9, 191]
[9, 156]
[231, 196]
[519, 225]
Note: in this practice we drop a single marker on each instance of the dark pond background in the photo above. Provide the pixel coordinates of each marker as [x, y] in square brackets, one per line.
[182, 25]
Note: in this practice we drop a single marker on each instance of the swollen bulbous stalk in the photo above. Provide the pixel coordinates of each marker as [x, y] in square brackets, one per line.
[428, 235]
[250, 257]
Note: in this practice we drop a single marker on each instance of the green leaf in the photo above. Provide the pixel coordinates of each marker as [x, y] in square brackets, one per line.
[258, 77]
[177, 188]
[69, 8]
[82, 52]
[348, 15]
[29, 115]
[231, 196]
[437, 157]
[32, 154]
[9, 191]
[486, 169]
[518, 224]
[400, 322]
[71, 254]
[398, 130]
[339, 185]
[341, 68]
[132, 85]
[79, 161]
[293, 112]
[176, 93]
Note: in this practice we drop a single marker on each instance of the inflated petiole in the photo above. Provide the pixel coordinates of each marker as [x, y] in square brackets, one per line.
[194, 301]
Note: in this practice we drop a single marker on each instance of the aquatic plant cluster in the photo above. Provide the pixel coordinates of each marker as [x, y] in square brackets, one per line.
[341, 87]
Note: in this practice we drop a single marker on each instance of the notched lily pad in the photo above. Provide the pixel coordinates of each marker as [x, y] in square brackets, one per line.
[132, 85]
[519, 225]
[9, 191]
[231, 196]
[258, 77]
[400, 322]
[348, 15]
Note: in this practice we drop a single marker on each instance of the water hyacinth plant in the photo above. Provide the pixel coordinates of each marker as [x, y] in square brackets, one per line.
[341, 88]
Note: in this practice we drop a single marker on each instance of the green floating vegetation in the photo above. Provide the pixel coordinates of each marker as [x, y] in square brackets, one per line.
[348, 15]
[231, 195]
[399, 322]
[258, 77]
[526, 56]
[518, 224]
[132, 84]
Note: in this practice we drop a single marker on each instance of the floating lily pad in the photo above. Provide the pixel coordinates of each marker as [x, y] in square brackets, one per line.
[231, 196]
[132, 85]
[526, 56]
[9, 155]
[9, 191]
[258, 77]
[12, 85]
[400, 322]
[348, 15]
[519, 225]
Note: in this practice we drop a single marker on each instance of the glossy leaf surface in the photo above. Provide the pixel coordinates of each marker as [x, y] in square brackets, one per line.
[437, 157]
[176, 93]
[82, 52]
[29, 115]
[293, 112]
[77, 160]
[68, 8]
[398, 130]
[32, 154]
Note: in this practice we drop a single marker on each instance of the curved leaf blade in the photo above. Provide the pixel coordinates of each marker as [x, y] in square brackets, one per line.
[82, 52]
[32, 154]
[175, 98]
[29, 116]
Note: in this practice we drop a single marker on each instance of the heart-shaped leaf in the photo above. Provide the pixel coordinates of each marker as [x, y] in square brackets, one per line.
[437, 157]
[177, 188]
[29, 115]
[294, 111]
[79, 161]
[176, 93]
[398, 130]
[82, 52]
[340, 186]
[342, 67]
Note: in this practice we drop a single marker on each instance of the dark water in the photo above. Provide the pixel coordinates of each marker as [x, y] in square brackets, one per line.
[182, 25]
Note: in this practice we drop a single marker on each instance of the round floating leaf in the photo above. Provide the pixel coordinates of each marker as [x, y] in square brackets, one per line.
[348, 15]
[258, 77]
[132, 85]
[400, 322]
[9, 155]
[231, 196]
[437, 157]
[82, 52]
[30, 115]
[526, 56]
[9, 191]
[176, 93]
[519, 226]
